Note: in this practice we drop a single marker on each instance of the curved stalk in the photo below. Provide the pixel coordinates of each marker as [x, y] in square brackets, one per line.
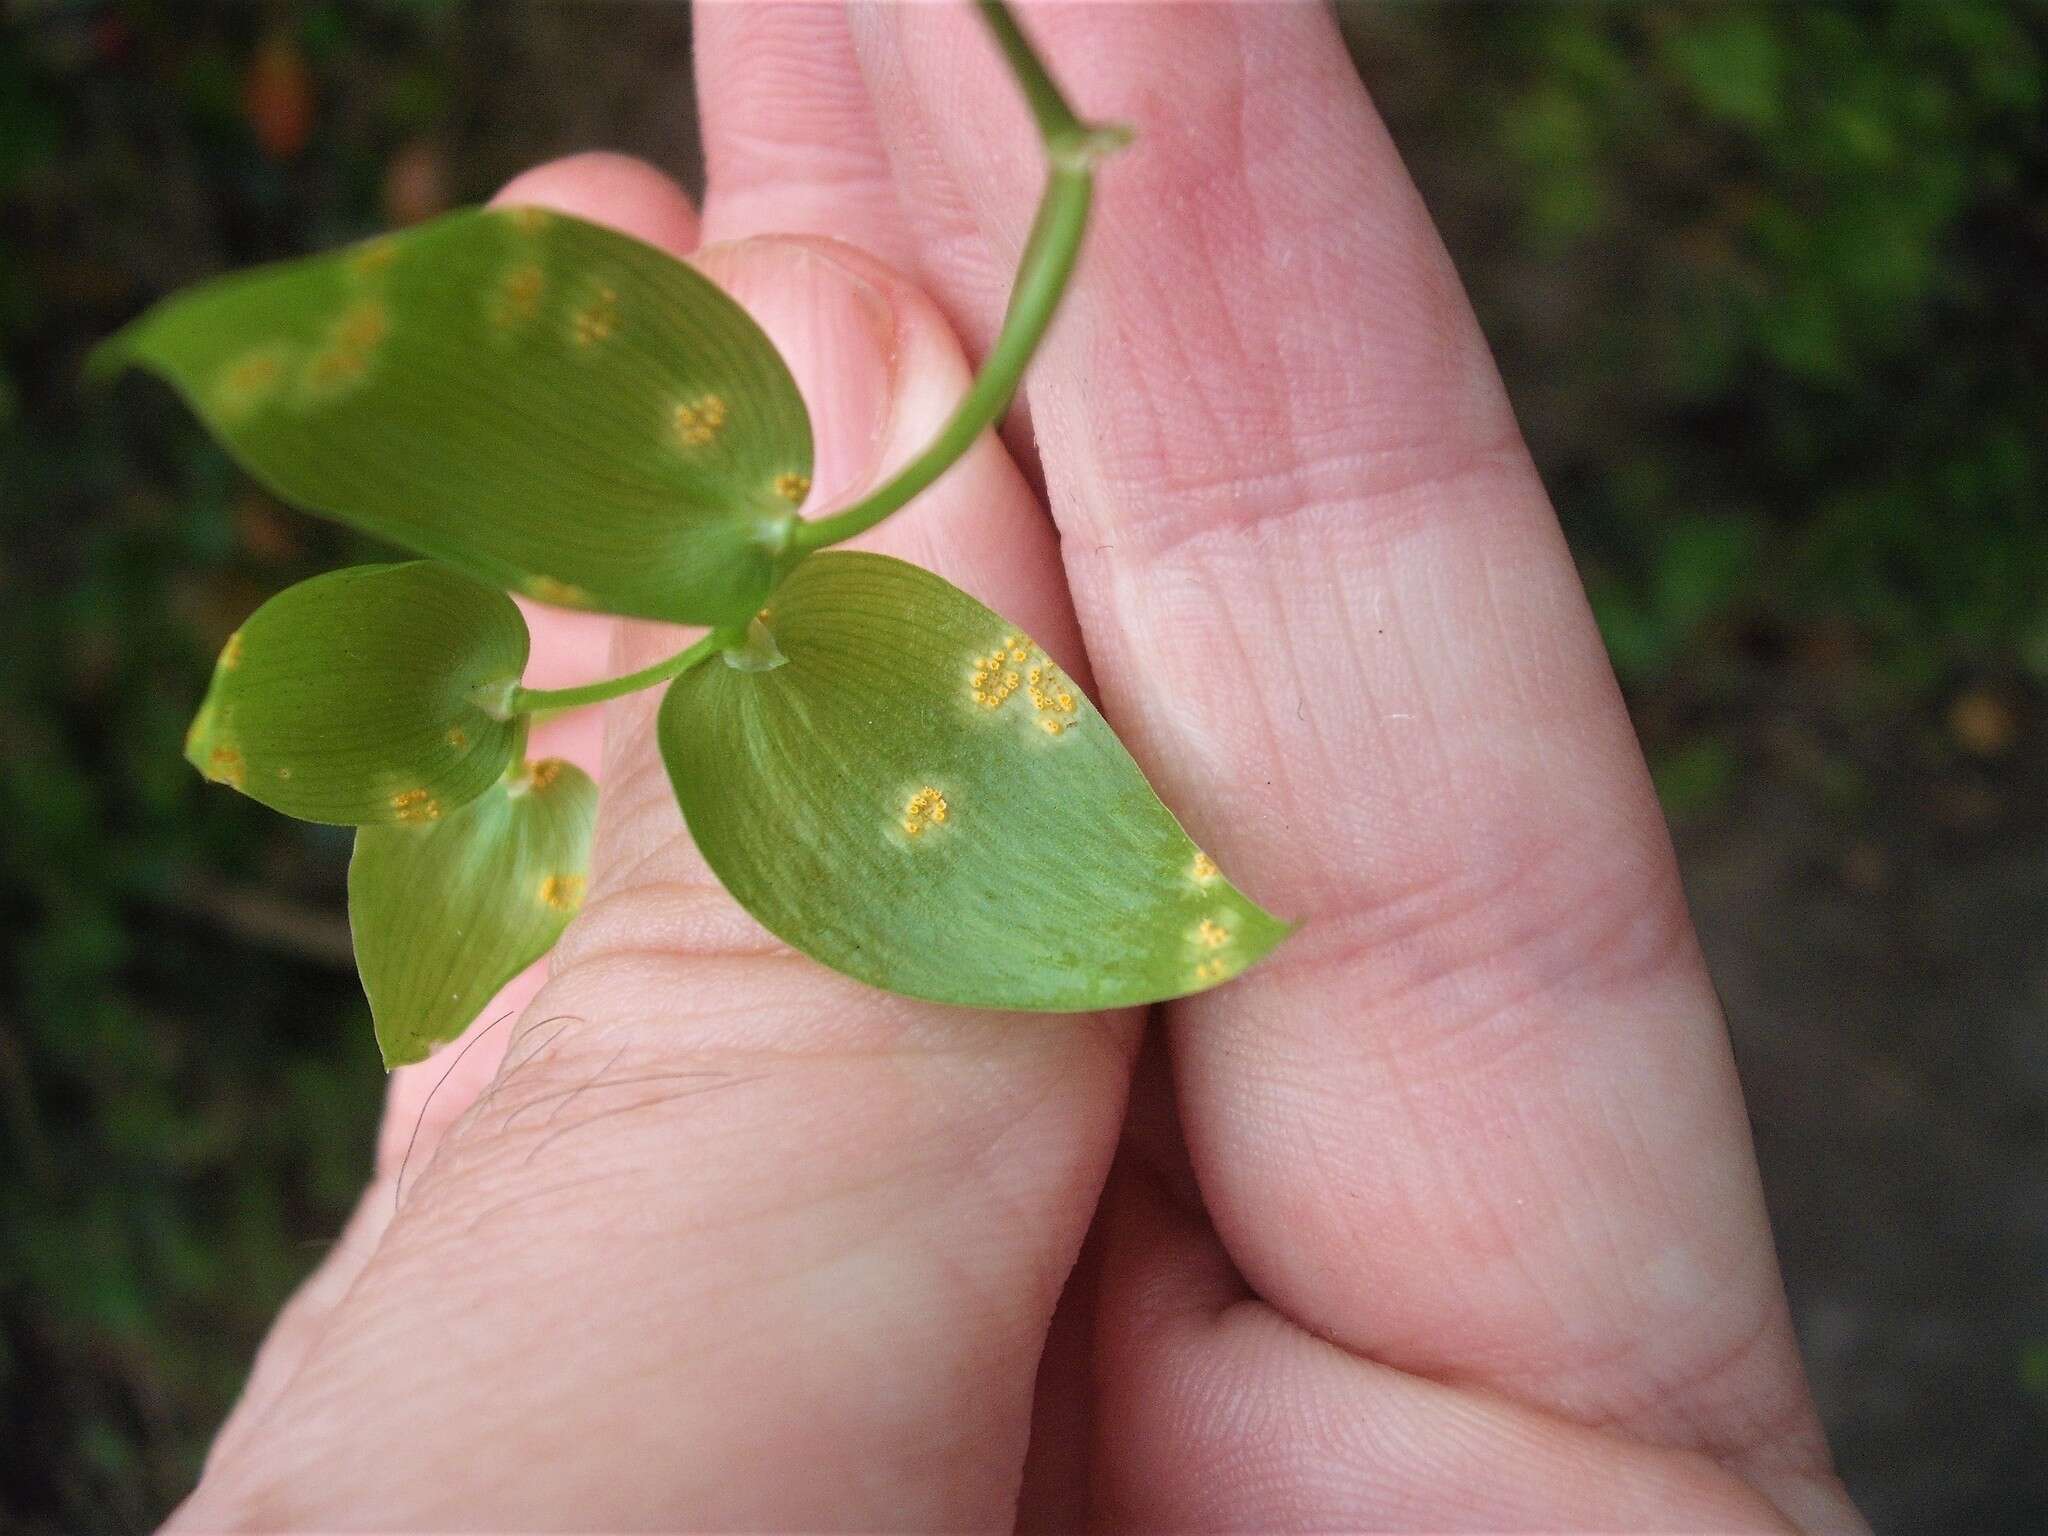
[1072, 147]
[527, 700]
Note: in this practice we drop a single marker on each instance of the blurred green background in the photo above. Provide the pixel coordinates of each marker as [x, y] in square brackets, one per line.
[1767, 283]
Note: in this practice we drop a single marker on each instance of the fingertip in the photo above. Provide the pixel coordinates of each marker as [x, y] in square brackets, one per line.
[618, 191]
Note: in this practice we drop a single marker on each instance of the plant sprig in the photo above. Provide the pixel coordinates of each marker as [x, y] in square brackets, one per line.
[885, 773]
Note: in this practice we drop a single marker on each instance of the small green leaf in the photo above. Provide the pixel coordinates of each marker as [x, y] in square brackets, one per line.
[445, 913]
[918, 797]
[549, 405]
[353, 697]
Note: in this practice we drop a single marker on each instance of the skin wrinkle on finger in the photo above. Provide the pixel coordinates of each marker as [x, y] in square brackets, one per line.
[1246, 1421]
[790, 141]
[976, 1118]
[1330, 607]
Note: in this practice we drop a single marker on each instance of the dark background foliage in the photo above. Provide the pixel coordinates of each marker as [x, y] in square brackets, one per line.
[1766, 282]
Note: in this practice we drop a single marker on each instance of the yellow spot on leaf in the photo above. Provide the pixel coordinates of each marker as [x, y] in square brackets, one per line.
[225, 765]
[697, 422]
[458, 738]
[231, 653]
[351, 346]
[926, 808]
[545, 772]
[1016, 664]
[793, 488]
[373, 257]
[249, 381]
[1211, 934]
[416, 805]
[1203, 870]
[284, 773]
[562, 892]
[546, 589]
[362, 326]
[1210, 971]
[518, 295]
[597, 320]
[528, 221]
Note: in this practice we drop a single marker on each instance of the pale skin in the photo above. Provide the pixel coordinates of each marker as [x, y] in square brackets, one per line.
[1444, 1217]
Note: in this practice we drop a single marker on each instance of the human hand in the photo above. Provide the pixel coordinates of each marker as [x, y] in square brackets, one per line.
[1444, 1216]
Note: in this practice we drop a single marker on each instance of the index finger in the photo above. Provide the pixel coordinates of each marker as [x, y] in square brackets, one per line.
[1479, 1118]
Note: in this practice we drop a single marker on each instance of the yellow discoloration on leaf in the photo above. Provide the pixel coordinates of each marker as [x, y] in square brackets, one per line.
[351, 346]
[1018, 664]
[562, 892]
[1204, 870]
[529, 220]
[1211, 934]
[517, 297]
[926, 808]
[416, 805]
[363, 326]
[250, 381]
[457, 738]
[374, 257]
[546, 589]
[793, 488]
[284, 773]
[200, 728]
[597, 318]
[225, 765]
[540, 775]
[698, 422]
[231, 653]
[1209, 972]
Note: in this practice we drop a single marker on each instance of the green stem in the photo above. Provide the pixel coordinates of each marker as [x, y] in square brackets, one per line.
[527, 700]
[1073, 147]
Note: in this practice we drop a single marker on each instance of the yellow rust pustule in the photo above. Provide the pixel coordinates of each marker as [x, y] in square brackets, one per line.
[1203, 871]
[927, 808]
[698, 422]
[1209, 972]
[416, 805]
[541, 775]
[231, 653]
[564, 893]
[1017, 665]
[457, 737]
[226, 765]
[1211, 934]
[249, 382]
[373, 257]
[517, 297]
[793, 487]
[562, 594]
[352, 344]
[597, 318]
[529, 220]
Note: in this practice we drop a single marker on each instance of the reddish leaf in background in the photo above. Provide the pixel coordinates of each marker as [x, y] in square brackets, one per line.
[277, 98]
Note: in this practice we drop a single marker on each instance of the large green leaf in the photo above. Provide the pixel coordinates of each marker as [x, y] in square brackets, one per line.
[445, 913]
[918, 797]
[353, 697]
[550, 405]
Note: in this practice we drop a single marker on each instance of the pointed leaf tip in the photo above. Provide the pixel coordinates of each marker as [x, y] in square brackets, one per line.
[549, 405]
[446, 913]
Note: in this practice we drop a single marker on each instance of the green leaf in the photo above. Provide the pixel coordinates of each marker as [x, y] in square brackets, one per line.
[353, 697]
[445, 913]
[919, 798]
[549, 405]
